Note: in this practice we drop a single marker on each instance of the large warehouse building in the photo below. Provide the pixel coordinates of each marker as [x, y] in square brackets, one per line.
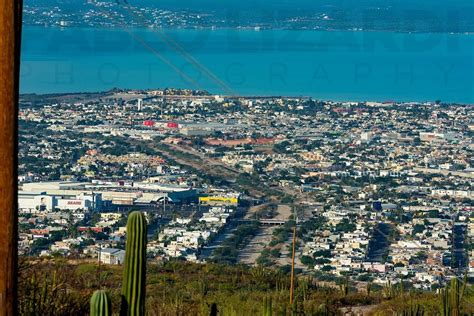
[42, 201]
[97, 196]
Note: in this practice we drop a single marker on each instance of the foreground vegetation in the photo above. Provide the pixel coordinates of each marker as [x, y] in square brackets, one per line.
[62, 287]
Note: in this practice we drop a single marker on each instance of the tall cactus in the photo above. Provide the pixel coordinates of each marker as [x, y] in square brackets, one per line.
[323, 310]
[344, 287]
[283, 310]
[100, 304]
[451, 297]
[267, 306]
[297, 308]
[369, 288]
[133, 283]
[413, 309]
[392, 291]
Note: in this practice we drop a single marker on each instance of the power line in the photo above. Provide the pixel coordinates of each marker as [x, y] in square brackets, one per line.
[178, 48]
[157, 54]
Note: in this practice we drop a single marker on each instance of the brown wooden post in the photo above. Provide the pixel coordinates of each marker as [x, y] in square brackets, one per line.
[10, 33]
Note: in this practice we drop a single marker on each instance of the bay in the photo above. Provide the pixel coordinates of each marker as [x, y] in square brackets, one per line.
[330, 65]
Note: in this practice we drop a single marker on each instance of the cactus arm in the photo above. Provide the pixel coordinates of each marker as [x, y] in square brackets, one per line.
[100, 304]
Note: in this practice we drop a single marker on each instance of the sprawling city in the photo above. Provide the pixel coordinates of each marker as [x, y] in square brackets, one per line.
[379, 193]
[237, 157]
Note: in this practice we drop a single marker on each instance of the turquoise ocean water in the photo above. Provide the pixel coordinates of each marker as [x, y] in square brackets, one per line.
[335, 65]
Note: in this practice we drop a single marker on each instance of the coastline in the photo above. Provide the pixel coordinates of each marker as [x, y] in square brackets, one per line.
[206, 94]
[244, 28]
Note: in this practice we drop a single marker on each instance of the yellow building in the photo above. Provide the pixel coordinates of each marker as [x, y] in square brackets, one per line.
[219, 200]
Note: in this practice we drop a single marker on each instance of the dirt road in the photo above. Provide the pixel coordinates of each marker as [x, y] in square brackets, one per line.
[251, 252]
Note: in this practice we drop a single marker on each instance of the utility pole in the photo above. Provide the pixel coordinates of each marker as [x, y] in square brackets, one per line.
[292, 285]
[10, 30]
[100, 267]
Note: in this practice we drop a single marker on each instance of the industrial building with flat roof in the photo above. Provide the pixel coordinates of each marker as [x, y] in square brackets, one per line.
[97, 196]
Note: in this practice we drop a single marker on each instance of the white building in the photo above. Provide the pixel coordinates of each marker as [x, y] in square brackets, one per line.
[33, 202]
[111, 256]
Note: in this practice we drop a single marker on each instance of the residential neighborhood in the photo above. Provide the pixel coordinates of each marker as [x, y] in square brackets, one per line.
[379, 191]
